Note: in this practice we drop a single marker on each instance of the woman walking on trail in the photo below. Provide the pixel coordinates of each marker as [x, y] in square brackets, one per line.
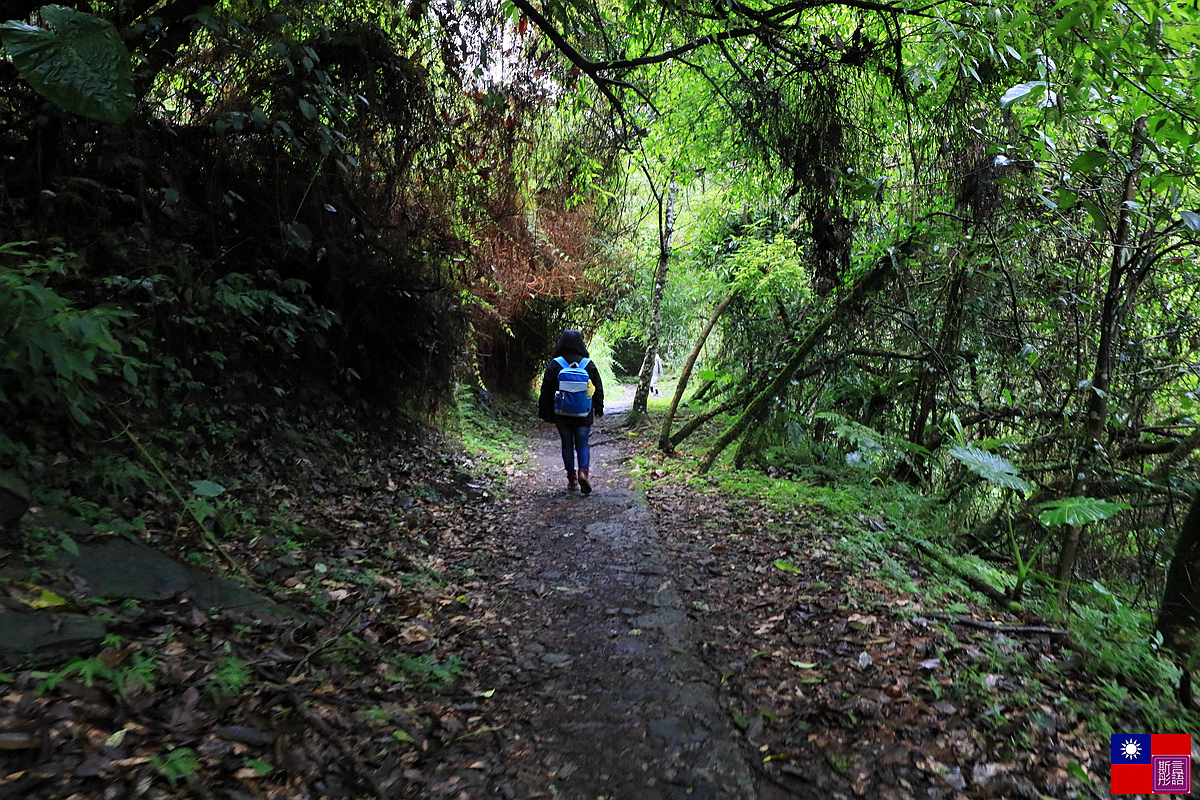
[573, 415]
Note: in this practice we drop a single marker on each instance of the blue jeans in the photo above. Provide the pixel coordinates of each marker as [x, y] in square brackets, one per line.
[575, 439]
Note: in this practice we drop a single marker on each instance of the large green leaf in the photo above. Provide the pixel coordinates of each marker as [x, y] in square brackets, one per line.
[80, 65]
[1077, 511]
[207, 488]
[869, 439]
[1021, 91]
[1088, 161]
[991, 467]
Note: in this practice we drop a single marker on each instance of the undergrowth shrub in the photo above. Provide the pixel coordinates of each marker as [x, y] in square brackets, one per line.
[492, 430]
[238, 335]
[52, 353]
[171, 369]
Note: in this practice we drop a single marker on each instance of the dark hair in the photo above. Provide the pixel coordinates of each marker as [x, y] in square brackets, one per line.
[571, 342]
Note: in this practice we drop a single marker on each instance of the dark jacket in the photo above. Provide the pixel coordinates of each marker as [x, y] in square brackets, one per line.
[573, 350]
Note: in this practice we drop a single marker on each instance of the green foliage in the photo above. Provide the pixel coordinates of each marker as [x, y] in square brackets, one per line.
[601, 349]
[240, 329]
[1119, 645]
[79, 64]
[874, 448]
[492, 430]
[424, 670]
[784, 496]
[375, 716]
[229, 677]
[130, 673]
[1024, 562]
[767, 265]
[179, 764]
[1078, 511]
[203, 507]
[52, 354]
[994, 469]
[207, 488]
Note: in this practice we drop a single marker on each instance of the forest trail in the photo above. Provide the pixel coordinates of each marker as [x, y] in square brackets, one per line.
[275, 288]
[663, 638]
[677, 643]
[601, 692]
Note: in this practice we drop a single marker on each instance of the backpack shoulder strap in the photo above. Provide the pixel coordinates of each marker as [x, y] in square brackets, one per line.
[584, 363]
[562, 362]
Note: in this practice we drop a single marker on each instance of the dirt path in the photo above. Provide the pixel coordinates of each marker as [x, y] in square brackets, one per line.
[616, 643]
[600, 688]
[696, 641]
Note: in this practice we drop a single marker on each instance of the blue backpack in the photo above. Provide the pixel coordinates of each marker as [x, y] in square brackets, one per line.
[572, 398]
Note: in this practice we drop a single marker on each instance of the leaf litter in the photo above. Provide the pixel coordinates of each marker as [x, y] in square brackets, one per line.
[417, 676]
[185, 701]
[862, 690]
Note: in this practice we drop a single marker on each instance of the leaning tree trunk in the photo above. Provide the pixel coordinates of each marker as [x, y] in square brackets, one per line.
[758, 406]
[664, 437]
[740, 398]
[1119, 291]
[1181, 451]
[1179, 615]
[666, 228]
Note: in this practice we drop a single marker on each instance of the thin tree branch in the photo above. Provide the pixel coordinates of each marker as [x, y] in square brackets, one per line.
[682, 50]
[589, 68]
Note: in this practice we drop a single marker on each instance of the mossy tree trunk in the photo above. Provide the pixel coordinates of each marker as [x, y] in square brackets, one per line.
[664, 437]
[757, 408]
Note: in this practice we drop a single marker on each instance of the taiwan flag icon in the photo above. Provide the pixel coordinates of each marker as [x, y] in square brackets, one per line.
[1151, 763]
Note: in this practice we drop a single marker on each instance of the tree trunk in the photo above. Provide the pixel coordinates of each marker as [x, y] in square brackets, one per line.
[1096, 419]
[930, 378]
[664, 437]
[695, 422]
[740, 398]
[758, 406]
[1179, 614]
[1181, 451]
[666, 227]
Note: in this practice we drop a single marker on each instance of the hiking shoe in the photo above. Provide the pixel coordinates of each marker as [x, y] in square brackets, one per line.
[572, 484]
[584, 486]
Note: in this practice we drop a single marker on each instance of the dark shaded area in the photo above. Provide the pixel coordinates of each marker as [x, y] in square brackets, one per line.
[627, 354]
[1179, 614]
[41, 637]
[509, 360]
[265, 182]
